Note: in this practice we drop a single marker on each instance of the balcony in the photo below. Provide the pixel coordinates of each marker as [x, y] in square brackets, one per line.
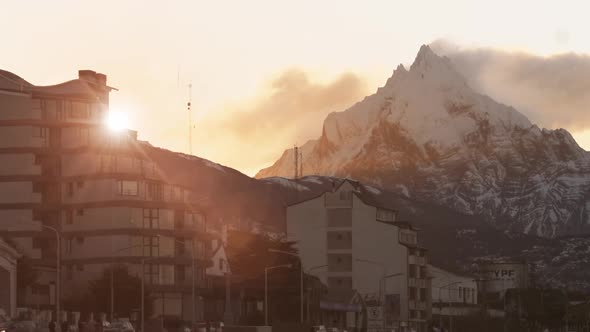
[416, 260]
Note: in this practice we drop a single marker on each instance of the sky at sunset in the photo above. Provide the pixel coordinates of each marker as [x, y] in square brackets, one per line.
[266, 73]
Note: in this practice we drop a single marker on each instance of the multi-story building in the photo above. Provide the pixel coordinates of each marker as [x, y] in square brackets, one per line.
[60, 167]
[351, 241]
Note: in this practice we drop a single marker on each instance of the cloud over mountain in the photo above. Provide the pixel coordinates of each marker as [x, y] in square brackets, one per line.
[552, 91]
[289, 110]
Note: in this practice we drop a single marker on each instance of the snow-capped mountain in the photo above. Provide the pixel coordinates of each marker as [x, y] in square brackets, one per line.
[428, 135]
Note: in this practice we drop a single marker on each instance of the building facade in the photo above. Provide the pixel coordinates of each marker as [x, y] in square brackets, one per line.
[60, 167]
[452, 294]
[352, 243]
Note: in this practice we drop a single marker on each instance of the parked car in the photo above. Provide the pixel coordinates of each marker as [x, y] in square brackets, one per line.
[4, 324]
[320, 328]
[119, 326]
[21, 326]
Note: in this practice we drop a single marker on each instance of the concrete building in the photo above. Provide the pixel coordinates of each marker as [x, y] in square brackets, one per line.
[8, 261]
[61, 167]
[351, 241]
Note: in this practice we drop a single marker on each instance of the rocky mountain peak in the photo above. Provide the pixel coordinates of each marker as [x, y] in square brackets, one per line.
[427, 134]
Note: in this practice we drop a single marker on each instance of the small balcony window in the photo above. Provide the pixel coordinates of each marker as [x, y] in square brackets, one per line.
[128, 188]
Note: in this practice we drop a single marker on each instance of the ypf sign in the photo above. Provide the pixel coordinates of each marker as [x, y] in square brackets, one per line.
[502, 276]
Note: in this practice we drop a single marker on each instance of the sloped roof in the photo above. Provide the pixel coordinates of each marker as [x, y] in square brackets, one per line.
[76, 87]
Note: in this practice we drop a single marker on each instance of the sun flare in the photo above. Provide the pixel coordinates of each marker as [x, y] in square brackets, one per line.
[117, 120]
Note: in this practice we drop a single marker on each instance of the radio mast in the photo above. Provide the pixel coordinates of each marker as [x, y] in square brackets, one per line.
[190, 119]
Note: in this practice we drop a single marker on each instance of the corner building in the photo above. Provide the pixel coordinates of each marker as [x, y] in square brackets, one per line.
[61, 167]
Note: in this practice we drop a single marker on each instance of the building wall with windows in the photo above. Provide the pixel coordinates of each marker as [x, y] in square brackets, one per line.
[61, 167]
[449, 287]
[350, 244]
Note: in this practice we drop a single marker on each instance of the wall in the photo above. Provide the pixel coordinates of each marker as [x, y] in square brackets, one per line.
[19, 164]
[464, 292]
[307, 221]
[18, 192]
[17, 106]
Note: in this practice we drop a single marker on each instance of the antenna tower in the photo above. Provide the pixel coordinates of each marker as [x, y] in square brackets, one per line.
[296, 155]
[190, 119]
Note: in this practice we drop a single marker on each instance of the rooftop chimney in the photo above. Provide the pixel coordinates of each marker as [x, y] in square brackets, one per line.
[87, 75]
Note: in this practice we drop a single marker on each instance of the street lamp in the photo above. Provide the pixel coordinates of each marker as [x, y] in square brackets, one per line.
[266, 269]
[113, 279]
[380, 285]
[308, 271]
[382, 272]
[300, 278]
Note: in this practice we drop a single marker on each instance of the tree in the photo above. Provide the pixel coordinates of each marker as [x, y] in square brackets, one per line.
[127, 289]
[248, 255]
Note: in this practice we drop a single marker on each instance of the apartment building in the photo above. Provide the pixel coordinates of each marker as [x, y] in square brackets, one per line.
[60, 167]
[351, 241]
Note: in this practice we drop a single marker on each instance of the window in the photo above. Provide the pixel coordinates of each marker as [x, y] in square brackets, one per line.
[385, 215]
[83, 134]
[69, 272]
[38, 243]
[37, 187]
[221, 264]
[80, 184]
[179, 219]
[70, 189]
[155, 191]
[412, 270]
[80, 267]
[422, 294]
[180, 273]
[345, 195]
[78, 110]
[151, 273]
[128, 188]
[80, 212]
[413, 293]
[151, 218]
[40, 132]
[69, 217]
[108, 163]
[179, 246]
[151, 246]
[69, 246]
[339, 236]
[423, 272]
[80, 240]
